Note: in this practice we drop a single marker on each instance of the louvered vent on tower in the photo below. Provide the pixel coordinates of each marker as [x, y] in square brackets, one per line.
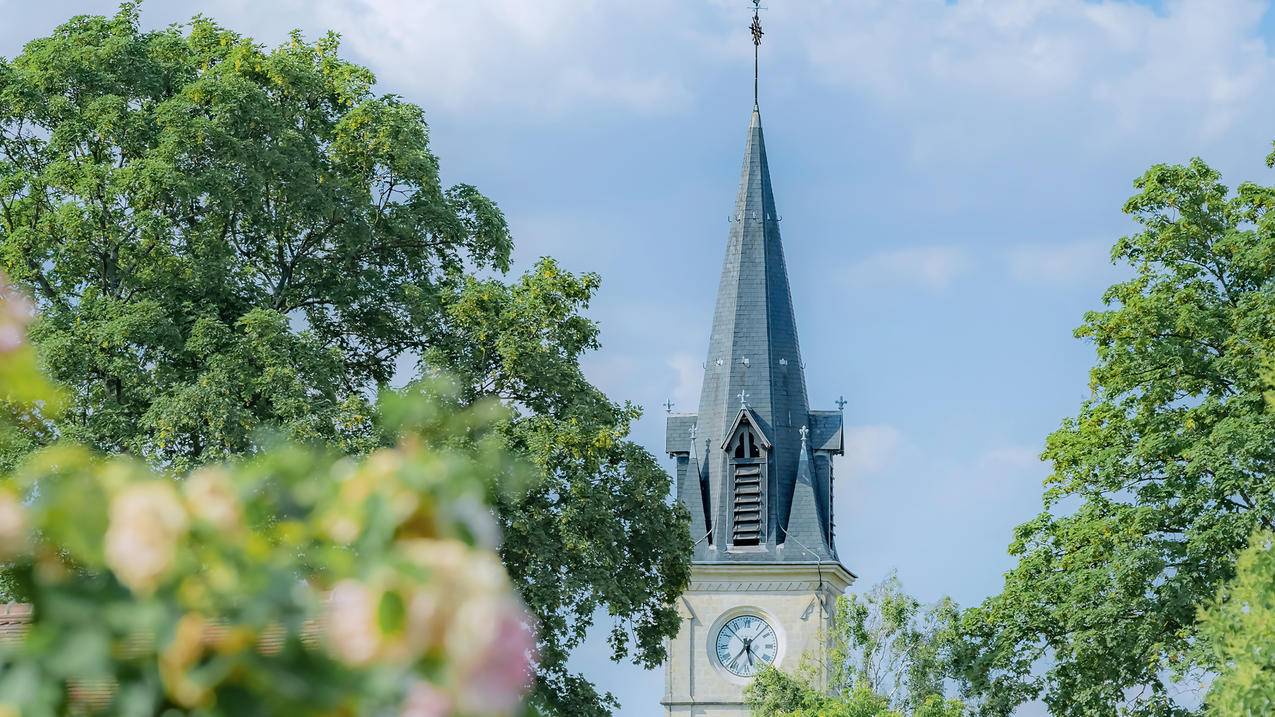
[748, 487]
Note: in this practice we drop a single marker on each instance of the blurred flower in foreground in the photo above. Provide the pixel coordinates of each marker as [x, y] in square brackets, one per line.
[466, 611]
[505, 663]
[425, 700]
[146, 522]
[13, 526]
[210, 495]
[293, 582]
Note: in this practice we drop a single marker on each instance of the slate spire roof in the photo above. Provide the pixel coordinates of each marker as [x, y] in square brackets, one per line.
[754, 375]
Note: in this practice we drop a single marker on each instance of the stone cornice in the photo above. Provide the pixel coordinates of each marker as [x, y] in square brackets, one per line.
[769, 577]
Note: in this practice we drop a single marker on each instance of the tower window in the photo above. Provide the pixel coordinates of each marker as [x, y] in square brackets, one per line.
[746, 445]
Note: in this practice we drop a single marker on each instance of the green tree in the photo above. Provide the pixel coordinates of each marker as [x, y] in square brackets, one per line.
[227, 242]
[775, 694]
[1239, 629]
[888, 657]
[887, 642]
[595, 531]
[1160, 479]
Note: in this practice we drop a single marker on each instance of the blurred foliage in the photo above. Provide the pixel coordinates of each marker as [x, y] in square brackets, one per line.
[295, 581]
[230, 245]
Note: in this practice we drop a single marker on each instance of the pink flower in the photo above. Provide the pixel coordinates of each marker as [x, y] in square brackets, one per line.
[495, 682]
[425, 700]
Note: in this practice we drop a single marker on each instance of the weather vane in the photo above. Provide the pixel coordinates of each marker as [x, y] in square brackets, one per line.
[757, 33]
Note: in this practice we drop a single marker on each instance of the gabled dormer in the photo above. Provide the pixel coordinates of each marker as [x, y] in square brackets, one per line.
[747, 451]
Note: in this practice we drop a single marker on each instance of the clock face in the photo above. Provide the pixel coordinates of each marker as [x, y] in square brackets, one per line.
[745, 644]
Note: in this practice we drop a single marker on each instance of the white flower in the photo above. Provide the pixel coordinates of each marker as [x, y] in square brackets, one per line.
[356, 635]
[351, 623]
[211, 497]
[146, 522]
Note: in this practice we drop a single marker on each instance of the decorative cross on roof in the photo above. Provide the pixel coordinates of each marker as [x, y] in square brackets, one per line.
[804, 432]
[756, 26]
[841, 403]
[743, 399]
[668, 405]
[694, 430]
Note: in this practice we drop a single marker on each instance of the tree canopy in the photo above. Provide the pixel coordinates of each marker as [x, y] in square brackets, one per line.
[1160, 479]
[1239, 630]
[888, 656]
[228, 243]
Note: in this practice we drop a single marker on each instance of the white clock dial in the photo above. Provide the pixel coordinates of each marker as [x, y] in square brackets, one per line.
[745, 643]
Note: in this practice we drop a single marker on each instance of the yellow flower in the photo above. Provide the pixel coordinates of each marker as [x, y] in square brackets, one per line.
[146, 522]
[185, 650]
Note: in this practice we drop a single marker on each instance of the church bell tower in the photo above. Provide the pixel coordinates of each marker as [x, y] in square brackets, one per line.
[754, 467]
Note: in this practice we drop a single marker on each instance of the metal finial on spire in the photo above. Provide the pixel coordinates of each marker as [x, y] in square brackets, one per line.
[743, 399]
[757, 33]
[668, 405]
[841, 403]
[804, 432]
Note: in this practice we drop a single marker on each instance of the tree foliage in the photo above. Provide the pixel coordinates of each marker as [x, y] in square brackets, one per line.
[887, 642]
[1160, 479]
[595, 531]
[177, 202]
[227, 242]
[887, 657]
[1239, 629]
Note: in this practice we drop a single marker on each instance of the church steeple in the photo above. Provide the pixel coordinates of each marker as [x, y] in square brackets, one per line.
[754, 383]
[755, 472]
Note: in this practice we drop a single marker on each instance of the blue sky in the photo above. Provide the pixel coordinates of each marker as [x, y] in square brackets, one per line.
[950, 176]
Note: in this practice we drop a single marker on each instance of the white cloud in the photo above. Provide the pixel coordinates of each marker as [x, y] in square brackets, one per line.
[932, 267]
[1059, 263]
[550, 55]
[871, 448]
[977, 74]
